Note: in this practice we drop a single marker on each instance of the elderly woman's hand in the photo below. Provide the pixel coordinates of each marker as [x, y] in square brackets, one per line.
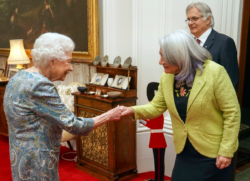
[223, 162]
[115, 114]
[111, 115]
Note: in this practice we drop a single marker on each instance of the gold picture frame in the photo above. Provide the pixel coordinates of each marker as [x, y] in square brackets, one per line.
[91, 18]
[98, 78]
[121, 82]
[118, 83]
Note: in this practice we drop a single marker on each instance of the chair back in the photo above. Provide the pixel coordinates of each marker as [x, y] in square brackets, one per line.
[151, 89]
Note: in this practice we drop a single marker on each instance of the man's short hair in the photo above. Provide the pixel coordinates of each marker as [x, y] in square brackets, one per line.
[204, 9]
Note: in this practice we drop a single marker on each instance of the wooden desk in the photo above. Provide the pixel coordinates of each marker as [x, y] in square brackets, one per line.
[108, 152]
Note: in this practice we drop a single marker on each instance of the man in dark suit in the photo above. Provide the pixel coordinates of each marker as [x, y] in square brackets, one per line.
[222, 48]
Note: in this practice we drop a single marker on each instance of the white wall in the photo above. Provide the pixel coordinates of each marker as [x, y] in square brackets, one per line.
[132, 28]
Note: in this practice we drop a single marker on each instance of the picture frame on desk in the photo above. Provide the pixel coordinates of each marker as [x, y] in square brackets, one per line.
[12, 72]
[121, 82]
[98, 92]
[34, 18]
[2, 72]
[99, 79]
[4, 64]
[13, 68]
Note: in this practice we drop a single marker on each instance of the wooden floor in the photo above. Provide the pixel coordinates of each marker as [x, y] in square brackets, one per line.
[242, 168]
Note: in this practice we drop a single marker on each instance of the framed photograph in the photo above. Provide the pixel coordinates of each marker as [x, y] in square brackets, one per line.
[98, 92]
[12, 72]
[12, 67]
[99, 79]
[4, 64]
[1, 72]
[121, 82]
[28, 19]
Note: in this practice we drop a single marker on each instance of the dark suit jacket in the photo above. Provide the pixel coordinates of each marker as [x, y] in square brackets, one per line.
[224, 52]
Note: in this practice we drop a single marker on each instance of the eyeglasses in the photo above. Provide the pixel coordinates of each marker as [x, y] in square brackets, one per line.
[193, 19]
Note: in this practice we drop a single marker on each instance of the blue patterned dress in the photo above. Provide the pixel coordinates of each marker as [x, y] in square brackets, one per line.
[36, 117]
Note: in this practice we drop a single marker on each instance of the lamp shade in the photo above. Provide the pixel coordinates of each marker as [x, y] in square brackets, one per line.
[17, 53]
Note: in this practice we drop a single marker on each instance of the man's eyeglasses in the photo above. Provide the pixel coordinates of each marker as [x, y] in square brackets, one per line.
[193, 19]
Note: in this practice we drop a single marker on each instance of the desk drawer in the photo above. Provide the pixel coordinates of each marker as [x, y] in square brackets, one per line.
[94, 104]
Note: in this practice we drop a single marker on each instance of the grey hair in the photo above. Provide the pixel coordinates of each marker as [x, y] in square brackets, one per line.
[50, 46]
[179, 48]
[204, 9]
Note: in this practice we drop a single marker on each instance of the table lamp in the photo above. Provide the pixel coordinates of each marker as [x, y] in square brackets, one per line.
[18, 55]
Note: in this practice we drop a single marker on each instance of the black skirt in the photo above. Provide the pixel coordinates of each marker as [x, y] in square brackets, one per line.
[190, 165]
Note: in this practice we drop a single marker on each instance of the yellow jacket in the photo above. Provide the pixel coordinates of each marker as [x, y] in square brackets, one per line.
[213, 112]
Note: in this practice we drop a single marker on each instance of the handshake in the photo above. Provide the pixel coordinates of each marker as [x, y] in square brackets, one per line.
[113, 115]
[120, 111]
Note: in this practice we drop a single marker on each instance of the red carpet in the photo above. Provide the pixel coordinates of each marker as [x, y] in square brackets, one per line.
[67, 170]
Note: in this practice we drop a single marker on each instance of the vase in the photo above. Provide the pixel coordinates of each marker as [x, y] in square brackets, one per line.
[110, 81]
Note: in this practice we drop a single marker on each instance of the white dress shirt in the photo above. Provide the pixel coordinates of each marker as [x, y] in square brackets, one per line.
[204, 36]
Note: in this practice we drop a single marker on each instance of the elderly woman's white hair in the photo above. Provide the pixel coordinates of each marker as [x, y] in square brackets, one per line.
[179, 48]
[204, 9]
[50, 46]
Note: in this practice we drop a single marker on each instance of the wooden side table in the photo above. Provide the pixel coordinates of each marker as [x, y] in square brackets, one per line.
[109, 151]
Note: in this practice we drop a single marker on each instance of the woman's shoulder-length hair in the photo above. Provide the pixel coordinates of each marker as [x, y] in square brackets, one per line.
[181, 49]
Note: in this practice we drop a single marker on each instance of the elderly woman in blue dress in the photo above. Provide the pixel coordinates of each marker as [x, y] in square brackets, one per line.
[36, 115]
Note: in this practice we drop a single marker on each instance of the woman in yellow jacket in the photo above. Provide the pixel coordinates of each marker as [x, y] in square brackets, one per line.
[203, 106]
